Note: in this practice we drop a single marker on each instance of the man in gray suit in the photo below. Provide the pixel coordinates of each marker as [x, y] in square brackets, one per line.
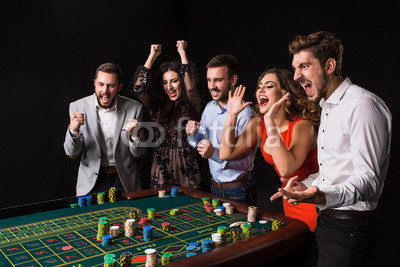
[104, 129]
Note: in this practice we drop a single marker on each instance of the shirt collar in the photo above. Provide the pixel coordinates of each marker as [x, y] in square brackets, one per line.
[223, 109]
[337, 95]
[97, 106]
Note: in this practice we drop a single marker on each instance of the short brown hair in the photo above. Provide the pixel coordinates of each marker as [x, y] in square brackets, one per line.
[225, 60]
[110, 68]
[323, 45]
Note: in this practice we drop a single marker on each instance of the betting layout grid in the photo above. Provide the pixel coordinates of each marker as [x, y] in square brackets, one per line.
[41, 244]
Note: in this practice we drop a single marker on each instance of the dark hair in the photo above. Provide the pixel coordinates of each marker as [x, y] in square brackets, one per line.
[110, 68]
[298, 104]
[168, 111]
[323, 45]
[225, 60]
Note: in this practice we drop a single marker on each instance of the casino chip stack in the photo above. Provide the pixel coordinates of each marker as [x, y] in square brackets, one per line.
[151, 257]
[151, 213]
[235, 235]
[174, 212]
[215, 203]
[207, 245]
[101, 230]
[112, 194]
[148, 233]
[82, 201]
[174, 191]
[252, 214]
[106, 240]
[222, 231]
[130, 227]
[134, 214]
[125, 259]
[166, 258]
[206, 200]
[276, 224]
[166, 226]
[217, 240]
[246, 231]
[109, 260]
[101, 198]
[229, 208]
[161, 193]
[114, 231]
[193, 248]
[208, 207]
[89, 200]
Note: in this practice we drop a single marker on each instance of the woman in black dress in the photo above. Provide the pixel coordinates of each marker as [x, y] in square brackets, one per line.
[173, 101]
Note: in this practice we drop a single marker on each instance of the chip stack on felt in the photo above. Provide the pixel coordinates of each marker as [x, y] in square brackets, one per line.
[126, 259]
[129, 227]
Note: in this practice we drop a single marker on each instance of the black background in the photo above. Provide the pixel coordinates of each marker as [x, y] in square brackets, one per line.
[50, 50]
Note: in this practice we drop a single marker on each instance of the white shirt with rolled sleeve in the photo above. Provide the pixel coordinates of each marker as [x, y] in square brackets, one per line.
[353, 148]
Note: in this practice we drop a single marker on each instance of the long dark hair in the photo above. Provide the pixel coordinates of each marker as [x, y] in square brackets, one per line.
[168, 112]
[298, 104]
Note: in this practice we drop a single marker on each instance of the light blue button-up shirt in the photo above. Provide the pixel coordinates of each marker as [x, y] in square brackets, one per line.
[211, 126]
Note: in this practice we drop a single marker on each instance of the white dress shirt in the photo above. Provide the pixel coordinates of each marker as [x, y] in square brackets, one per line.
[107, 119]
[353, 148]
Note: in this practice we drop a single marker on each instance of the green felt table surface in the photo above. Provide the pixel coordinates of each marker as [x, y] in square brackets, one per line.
[37, 239]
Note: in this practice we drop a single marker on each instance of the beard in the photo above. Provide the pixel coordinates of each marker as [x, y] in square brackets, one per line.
[110, 104]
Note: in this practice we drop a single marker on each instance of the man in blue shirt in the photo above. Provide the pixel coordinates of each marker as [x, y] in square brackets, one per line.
[232, 178]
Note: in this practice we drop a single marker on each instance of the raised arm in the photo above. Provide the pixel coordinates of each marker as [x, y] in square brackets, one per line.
[142, 77]
[190, 77]
[231, 146]
[288, 160]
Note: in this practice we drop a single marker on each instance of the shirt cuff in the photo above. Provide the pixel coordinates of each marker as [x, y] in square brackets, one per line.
[332, 196]
[74, 134]
[215, 156]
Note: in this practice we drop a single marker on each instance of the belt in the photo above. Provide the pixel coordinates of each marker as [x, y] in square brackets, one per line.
[343, 214]
[108, 169]
[226, 185]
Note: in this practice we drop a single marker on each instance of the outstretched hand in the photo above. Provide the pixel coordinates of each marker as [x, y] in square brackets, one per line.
[235, 100]
[295, 192]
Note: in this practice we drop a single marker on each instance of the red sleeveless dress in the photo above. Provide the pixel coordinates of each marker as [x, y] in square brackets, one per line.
[303, 211]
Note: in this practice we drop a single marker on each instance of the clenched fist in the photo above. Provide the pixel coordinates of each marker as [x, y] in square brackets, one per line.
[76, 121]
[155, 50]
[132, 127]
[181, 45]
[192, 127]
[205, 148]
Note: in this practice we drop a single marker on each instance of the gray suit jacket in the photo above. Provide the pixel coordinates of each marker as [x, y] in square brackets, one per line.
[87, 144]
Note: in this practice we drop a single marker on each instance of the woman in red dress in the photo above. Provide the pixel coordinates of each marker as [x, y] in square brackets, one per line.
[285, 124]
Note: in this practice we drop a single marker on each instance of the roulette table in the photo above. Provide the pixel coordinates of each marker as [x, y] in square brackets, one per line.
[54, 234]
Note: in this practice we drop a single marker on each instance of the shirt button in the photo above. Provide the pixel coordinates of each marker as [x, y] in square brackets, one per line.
[322, 147]
[320, 164]
[326, 114]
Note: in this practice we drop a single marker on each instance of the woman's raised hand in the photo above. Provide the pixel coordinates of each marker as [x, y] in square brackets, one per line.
[235, 104]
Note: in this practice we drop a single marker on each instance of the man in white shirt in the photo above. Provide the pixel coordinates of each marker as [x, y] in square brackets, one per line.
[104, 129]
[353, 154]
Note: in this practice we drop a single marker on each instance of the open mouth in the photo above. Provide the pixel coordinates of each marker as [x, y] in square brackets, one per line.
[215, 92]
[105, 99]
[172, 93]
[263, 100]
[307, 87]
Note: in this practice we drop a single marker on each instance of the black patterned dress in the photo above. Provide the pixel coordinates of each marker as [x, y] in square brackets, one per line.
[174, 160]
